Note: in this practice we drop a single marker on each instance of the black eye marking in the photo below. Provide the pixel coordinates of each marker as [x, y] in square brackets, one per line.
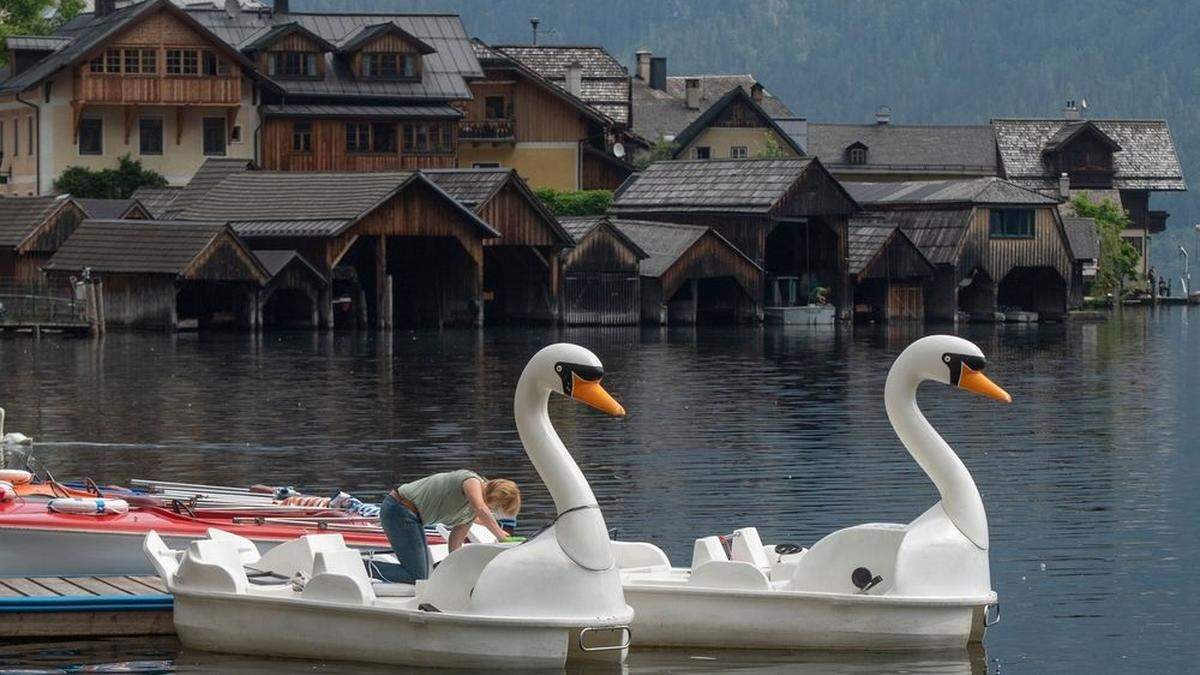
[956, 361]
[585, 372]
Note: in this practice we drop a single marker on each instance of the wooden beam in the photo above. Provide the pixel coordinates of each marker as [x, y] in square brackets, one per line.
[382, 313]
[230, 117]
[130, 116]
[180, 112]
[76, 115]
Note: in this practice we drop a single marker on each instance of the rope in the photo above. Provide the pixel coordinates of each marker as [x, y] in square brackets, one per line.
[553, 522]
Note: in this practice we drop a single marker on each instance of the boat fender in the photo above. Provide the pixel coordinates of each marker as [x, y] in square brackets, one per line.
[16, 476]
[7, 491]
[89, 507]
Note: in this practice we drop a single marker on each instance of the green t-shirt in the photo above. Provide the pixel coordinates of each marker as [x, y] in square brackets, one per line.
[440, 497]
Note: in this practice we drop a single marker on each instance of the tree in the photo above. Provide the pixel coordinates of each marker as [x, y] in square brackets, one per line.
[35, 17]
[1118, 258]
[659, 151]
[772, 149]
[578, 203]
[116, 183]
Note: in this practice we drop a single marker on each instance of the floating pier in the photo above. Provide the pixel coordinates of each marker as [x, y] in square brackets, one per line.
[85, 606]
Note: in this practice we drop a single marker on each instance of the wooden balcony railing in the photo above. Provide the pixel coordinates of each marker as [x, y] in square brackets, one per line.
[158, 89]
[486, 130]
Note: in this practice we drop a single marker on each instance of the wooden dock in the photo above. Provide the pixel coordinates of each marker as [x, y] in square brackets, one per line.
[84, 606]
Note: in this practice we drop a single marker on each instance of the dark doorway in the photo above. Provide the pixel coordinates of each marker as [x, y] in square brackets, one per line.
[516, 286]
[211, 304]
[804, 256]
[289, 308]
[977, 296]
[1034, 289]
[708, 301]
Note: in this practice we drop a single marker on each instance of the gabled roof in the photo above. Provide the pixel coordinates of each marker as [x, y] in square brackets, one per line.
[87, 32]
[935, 231]
[357, 39]
[1081, 233]
[295, 204]
[990, 190]
[141, 246]
[157, 201]
[665, 243]
[36, 43]
[1146, 161]
[1072, 130]
[580, 227]
[20, 217]
[211, 172]
[868, 236]
[605, 82]
[275, 262]
[901, 148]
[474, 188]
[108, 209]
[269, 35]
[735, 95]
[665, 113]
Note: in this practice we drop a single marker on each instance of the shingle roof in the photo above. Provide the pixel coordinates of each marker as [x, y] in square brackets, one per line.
[211, 172]
[274, 262]
[967, 149]
[157, 200]
[666, 242]
[747, 185]
[281, 203]
[867, 234]
[20, 216]
[1146, 161]
[665, 113]
[579, 227]
[105, 209]
[135, 246]
[935, 231]
[1081, 233]
[422, 111]
[474, 187]
[737, 94]
[990, 190]
[605, 82]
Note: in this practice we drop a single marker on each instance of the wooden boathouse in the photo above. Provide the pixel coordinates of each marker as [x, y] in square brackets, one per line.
[31, 230]
[522, 268]
[996, 246]
[789, 216]
[114, 209]
[693, 275]
[888, 273]
[395, 246]
[293, 293]
[165, 275]
[600, 275]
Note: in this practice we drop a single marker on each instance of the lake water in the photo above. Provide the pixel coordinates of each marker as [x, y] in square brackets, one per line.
[1090, 478]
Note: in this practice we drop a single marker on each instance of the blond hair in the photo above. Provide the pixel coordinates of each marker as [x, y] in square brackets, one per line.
[503, 494]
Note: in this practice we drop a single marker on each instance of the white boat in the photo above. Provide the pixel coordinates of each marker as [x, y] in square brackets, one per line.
[551, 601]
[878, 586]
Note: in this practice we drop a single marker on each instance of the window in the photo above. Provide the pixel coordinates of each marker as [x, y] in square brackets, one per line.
[485, 165]
[494, 108]
[302, 137]
[91, 136]
[150, 135]
[431, 137]
[1011, 223]
[211, 64]
[701, 152]
[214, 136]
[389, 65]
[739, 152]
[292, 64]
[358, 137]
[183, 62]
[133, 60]
[383, 137]
[149, 61]
[858, 155]
[112, 60]
[235, 134]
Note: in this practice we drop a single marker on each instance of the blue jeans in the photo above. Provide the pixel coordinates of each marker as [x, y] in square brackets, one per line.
[406, 534]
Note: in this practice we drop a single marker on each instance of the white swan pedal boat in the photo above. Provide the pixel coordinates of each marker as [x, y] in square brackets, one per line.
[553, 600]
[878, 586]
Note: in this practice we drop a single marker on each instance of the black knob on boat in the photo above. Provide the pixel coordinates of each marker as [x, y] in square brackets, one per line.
[861, 577]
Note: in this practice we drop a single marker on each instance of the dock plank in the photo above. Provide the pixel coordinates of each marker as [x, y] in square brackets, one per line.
[129, 585]
[95, 586]
[27, 588]
[153, 583]
[58, 586]
[6, 592]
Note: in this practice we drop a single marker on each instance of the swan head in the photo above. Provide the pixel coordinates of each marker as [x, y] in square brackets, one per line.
[954, 361]
[574, 372]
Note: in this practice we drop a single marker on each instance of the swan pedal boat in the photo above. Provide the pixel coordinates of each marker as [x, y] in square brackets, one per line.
[925, 585]
[552, 601]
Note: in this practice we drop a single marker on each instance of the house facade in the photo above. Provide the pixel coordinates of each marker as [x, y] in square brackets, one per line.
[736, 126]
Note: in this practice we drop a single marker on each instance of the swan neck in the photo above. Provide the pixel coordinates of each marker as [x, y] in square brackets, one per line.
[554, 464]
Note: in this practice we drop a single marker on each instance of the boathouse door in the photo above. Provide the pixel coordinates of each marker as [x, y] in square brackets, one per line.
[905, 302]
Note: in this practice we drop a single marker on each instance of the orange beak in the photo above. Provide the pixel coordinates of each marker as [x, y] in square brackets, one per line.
[591, 393]
[973, 380]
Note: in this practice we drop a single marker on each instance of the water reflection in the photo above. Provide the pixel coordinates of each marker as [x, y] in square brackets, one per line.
[1089, 477]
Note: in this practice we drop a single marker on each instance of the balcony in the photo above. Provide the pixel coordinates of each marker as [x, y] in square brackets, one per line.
[102, 88]
[487, 130]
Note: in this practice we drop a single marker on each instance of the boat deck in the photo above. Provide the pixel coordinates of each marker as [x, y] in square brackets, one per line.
[85, 606]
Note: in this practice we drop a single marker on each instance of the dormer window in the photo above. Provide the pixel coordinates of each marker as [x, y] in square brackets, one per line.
[292, 64]
[389, 65]
[857, 154]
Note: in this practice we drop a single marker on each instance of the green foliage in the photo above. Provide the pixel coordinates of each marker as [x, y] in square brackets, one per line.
[118, 183]
[659, 151]
[772, 149]
[1118, 259]
[579, 203]
[35, 17]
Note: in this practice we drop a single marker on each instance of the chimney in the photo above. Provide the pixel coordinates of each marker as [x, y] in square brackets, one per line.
[883, 116]
[280, 7]
[642, 60]
[533, 23]
[575, 78]
[104, 7]
[756, 92]
[233, 7]
[692, 89]
[1071, 111]
[658, 73]
[1064, 186]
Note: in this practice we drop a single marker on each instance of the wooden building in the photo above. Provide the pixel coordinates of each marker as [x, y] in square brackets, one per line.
[292, 295]
[888, 272]
[531, 112]
[522, 268]
[31, 230]
[693, 275]
[789, 216]
[409, 254]
[995, 246]
[114, 209]
[884, 151]
[166, 275]
[737, 127]
[1085, 246]
[600, 275]
[156, 201]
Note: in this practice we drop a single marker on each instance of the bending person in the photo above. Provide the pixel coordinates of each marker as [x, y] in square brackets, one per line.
[454, 498]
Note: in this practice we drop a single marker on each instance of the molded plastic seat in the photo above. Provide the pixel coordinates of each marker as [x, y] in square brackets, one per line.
[707, 549]
[748, 547]
[729, 574]
[212, 565]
